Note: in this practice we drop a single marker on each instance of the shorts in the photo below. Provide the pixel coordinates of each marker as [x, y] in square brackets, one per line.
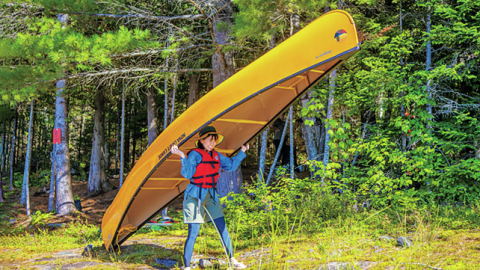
[190, 213]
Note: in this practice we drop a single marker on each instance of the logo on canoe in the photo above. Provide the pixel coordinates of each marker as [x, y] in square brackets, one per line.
[216, 157]
[167, 150]
[340, 36]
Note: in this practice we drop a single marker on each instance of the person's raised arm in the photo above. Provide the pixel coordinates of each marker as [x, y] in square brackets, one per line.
[177, 151]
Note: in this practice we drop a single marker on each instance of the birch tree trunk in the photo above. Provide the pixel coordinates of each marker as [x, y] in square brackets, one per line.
[122, 137]
[133, 130]
[174, 82]
[12, 154]
[51, 195]
[117, 141]
[165, 109]
[97, 180]
[64, 205]
[25, 199]
[228, 181]
[106, 143]
[193, 93]
[152, 115]
[126, 141]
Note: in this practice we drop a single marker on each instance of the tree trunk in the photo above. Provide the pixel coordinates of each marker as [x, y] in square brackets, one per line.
[292, 154]
[165, 109]
[175, 80]
[127, 130]
[277, 153]
[25, 199]
[82, 126]
[312, 139]
[152, 115]
[123, 137]
[264, 139]
[326, 155]
[46, 137]
[228, 181]
[64, 194]
[51, 195]
[106, 140]
[97, 180]
[193, 93]
[7, 148]
[22, 137]
[117, 141]
[2, 198]
[133, 130]
[2, 146]
[19, 120]
[263, 152]
[12, 155]
[38, 147]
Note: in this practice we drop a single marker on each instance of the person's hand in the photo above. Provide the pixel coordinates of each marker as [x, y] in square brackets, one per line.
[177, 151]
[245, 147]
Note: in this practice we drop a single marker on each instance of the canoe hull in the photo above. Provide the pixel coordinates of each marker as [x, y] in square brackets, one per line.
[240, 108]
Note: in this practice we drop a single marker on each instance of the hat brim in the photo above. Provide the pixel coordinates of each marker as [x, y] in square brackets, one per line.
[219, 140]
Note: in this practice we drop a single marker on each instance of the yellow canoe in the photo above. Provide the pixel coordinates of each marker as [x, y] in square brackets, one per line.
[240, 108]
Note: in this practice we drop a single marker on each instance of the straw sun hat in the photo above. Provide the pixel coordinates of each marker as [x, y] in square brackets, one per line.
[209, 130]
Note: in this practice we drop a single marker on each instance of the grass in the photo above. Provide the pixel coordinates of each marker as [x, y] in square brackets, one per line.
[280, 237]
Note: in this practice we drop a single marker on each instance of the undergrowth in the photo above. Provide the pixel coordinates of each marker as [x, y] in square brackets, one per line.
[302, 223]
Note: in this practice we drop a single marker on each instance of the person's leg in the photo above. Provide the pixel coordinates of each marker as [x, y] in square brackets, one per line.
[193, 230]
[222, 228]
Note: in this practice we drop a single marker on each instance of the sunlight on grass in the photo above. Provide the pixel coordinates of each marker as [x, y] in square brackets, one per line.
[274, 230]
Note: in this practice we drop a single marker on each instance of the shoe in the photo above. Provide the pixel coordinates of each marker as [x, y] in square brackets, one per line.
[236, 264]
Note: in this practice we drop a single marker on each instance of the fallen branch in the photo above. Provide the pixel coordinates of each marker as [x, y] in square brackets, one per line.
[120, 71]
[146, 17]
[160, 51]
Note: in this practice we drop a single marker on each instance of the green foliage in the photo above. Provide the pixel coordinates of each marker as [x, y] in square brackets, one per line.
[47, 51]
[40, 219]
[292, 205]
[40, 178]
[83, 233]
[261, 19]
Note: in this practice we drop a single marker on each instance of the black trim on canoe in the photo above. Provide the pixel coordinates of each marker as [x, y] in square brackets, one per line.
[356, 48]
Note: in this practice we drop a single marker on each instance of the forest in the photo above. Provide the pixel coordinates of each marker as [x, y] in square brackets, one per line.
[386, 148]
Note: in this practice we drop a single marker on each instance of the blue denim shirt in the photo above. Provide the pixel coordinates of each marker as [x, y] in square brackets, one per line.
[189, 167]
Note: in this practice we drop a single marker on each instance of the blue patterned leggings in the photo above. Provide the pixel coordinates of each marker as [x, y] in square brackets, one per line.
[194, 229]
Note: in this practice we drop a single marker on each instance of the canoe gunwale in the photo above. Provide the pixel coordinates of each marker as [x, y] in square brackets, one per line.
[163, 159]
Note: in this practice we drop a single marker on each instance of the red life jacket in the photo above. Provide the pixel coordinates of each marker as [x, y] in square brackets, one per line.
[206, 174]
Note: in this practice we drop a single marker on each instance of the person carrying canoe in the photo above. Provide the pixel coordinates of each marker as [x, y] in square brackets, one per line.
[201, 165]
